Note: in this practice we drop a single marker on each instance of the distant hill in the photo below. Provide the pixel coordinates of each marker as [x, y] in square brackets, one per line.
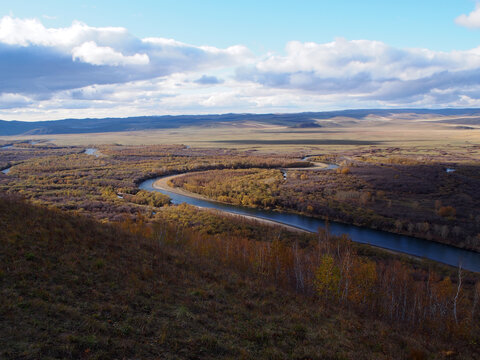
[296, 120]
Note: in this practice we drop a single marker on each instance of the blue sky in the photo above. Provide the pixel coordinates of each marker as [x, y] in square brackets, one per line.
[267, 25]
[103, 58]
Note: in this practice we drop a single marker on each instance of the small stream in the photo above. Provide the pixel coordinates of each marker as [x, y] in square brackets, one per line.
[92, 151]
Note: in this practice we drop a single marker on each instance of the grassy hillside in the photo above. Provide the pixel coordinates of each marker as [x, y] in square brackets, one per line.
[72, 287]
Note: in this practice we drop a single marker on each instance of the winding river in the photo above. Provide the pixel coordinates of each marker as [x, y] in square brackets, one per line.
[446, 254]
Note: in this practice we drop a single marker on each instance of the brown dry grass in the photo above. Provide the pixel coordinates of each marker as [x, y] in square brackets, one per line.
[74, 288]
[392, 132]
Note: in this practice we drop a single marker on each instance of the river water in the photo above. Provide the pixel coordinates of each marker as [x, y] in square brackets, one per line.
[405, 244]
[92, 151]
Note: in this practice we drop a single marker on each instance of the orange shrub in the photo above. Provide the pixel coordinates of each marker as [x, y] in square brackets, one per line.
[447, 211]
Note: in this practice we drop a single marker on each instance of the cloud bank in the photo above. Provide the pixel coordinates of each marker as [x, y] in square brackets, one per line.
[41, 60]
[88, 71]
[369, 70]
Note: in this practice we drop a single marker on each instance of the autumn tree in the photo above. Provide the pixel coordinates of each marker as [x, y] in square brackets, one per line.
[327, 278]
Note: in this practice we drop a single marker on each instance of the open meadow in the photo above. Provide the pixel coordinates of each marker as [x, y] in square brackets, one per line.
[334, 134]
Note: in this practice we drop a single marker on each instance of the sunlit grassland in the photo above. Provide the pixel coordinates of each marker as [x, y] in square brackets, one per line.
[398, 133]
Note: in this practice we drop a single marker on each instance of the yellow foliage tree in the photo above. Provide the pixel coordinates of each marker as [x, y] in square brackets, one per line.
[327, 278]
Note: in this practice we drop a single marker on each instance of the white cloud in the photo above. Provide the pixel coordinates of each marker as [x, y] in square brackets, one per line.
[11, 101]
[345, 59]
[90, 52]
[471, 20]
[366, 70]
[25, 32]
[83, 71]
[46, 60]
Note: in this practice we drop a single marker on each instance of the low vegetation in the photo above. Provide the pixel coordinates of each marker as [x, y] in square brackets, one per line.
[107, 186]
[76, 288]
[93, 267]
[418, 200]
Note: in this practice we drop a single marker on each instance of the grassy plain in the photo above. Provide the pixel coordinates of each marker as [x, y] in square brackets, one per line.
[335, 136]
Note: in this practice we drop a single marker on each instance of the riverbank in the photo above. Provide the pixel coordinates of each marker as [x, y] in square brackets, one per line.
[162, 184]
[369, 196]
[397, 244]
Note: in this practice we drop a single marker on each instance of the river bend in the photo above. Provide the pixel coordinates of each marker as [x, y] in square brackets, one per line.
[446, 254]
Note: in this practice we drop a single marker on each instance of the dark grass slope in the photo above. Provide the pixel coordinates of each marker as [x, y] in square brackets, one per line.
[75, 288]
[294, 120]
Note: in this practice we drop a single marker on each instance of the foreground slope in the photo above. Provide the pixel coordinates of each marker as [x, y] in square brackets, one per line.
[72, 287]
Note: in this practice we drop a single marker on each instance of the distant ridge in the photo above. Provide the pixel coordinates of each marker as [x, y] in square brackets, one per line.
[294, 120]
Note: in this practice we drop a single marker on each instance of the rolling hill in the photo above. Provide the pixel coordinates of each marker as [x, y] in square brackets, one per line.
[293, 120]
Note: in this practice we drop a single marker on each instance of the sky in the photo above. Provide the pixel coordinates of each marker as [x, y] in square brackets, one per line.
[104, 58]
